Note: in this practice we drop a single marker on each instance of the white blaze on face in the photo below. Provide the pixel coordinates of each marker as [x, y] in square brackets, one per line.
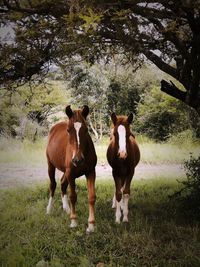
[77, 126]
[122, 139]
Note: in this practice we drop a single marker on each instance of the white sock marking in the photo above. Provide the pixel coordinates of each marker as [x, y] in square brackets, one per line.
[118, 212]
[125, 207]
[122, 139]
[65, 204]
[90, 228]
[50, 204]
[73, 223]
[77, 126]
[114, 202]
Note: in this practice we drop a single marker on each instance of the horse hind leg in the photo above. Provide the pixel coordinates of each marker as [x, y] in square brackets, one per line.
[64, 185]
[51, 172]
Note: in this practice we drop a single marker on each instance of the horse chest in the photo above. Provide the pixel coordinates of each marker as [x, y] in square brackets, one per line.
[121, 168]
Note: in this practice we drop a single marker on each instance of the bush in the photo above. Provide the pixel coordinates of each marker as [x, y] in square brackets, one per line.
[189, 195]
[160, 116]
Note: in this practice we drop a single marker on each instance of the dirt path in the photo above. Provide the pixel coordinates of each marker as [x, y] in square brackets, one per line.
[12, 175]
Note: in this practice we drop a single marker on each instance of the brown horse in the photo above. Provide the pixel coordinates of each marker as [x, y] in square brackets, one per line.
[123, 155]
[70, 149]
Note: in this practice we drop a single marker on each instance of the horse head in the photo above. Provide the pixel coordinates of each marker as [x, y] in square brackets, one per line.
[121, 133]
[77, 132]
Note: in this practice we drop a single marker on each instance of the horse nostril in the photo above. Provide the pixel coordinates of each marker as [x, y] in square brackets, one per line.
[74, 162]
[77, 161]
[122, 154]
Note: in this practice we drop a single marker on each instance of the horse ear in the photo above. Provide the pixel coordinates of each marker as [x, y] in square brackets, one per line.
[85, 111]
[114, 118]
[69, 111]
[130, 118]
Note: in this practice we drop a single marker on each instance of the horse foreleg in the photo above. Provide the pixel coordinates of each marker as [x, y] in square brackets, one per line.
[126, 196]
[118, 196]
[64, 185]
[91, 199]
[51, 172]
[73, 199]
[114, 202]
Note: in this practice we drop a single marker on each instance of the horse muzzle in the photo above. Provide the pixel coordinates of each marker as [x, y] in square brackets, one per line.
[76, 161]
[122, 155]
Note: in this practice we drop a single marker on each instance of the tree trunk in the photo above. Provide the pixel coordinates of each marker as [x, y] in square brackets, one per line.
[93, 129]
[101, 125]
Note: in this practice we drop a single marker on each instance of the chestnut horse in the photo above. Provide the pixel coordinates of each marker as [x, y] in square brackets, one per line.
[70, 149]
[123, 155]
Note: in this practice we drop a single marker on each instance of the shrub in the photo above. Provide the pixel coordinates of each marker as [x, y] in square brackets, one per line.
[160, 116]
[188, 196]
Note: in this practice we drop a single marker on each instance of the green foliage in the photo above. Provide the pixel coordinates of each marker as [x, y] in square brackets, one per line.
[25, 110]
[160, 116]
[151, 238]
[52, 32]
[122, 96]
[188, 196]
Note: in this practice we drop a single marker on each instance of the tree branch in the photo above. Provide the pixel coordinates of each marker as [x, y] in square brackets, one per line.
[172, 90]
[160, 63]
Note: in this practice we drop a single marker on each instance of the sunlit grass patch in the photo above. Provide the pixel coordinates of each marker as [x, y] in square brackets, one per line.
[167, 153]
[12, 150]
[154, 235]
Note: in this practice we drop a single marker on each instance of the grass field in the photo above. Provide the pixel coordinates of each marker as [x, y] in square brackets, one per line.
[156, 235]
[25, 152]
[159, 233]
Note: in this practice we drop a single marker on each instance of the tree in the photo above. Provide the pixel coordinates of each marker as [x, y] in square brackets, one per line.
[165, 32]
[25, 112]
[88, 87]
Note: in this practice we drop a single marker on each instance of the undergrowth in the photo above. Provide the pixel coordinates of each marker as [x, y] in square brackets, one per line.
[188, 197]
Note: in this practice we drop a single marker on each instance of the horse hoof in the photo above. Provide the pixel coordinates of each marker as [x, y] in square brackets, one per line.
[125, 220]
[73, 223]
[90, 228]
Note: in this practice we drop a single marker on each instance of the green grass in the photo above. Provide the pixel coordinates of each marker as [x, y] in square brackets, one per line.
[15, 151]
[156, 153]
[156, 234]
[152, 153]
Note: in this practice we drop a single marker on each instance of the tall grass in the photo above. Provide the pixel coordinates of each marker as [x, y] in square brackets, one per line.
[154, 236]
[12, 150]
[175, 151]
[16, 151]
